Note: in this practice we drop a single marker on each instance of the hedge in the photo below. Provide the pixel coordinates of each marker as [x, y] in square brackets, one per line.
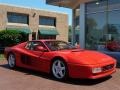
[11, 37]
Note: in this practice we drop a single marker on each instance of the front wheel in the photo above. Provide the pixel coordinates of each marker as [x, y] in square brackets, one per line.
[59, 69]
[11, 61]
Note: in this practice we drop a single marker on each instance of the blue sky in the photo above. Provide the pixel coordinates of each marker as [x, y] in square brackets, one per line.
[40, 4]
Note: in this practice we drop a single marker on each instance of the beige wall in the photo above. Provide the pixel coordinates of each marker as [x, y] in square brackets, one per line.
[61, 20]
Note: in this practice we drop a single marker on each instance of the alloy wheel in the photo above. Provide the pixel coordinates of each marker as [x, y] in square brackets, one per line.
[59, 69]
[11, 60]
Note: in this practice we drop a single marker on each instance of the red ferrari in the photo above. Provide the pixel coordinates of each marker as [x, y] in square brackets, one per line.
[60, 59]
[113, 46]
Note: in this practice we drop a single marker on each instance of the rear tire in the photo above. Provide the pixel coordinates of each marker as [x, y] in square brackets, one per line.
[11, 61]
[59, 69]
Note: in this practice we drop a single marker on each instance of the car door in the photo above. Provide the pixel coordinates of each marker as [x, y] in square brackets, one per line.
[34, 58]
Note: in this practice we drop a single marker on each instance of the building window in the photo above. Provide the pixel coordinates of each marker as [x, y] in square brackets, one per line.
[114, 4]
[96, 6]
[103, 25]
[96, 24]
[17, 18]
[49, 21]
[95, 30]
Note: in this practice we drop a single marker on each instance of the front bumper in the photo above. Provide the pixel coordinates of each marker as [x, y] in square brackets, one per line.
[85, 71]
[101, 75]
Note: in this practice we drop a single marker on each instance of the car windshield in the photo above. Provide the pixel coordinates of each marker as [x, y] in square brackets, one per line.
[59, 45]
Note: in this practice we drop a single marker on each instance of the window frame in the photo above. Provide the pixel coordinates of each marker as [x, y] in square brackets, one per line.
[17, 15]
[46, 19]
[29, 42]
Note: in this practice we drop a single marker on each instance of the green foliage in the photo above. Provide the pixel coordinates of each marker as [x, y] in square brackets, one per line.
[1, 56]
[11, 37]
[70, 33]
[70, 29]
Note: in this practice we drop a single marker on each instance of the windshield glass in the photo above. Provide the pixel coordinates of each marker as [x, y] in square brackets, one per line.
[59, 45]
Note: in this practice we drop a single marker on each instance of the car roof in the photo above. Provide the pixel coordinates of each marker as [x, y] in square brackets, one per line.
[43, 40]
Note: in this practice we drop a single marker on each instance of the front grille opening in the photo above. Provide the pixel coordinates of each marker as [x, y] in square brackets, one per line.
[108, 67]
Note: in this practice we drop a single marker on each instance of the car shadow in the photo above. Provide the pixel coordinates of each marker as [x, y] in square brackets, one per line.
[85, 82]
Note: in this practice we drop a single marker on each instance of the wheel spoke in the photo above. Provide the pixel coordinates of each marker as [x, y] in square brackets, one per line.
[59, 64]
[61, 74]
[56, 69]
[10, 57]
[62, 68]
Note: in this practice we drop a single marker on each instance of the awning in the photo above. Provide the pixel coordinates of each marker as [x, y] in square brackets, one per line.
[47, 31]
[25, 30]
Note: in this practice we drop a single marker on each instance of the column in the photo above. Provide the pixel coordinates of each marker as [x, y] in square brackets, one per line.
[73, 26]
[82, 26]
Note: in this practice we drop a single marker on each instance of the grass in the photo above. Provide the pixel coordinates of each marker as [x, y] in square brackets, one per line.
[1, 56]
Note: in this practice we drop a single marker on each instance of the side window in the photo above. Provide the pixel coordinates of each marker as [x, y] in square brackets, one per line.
[28, 45]
[32, 45]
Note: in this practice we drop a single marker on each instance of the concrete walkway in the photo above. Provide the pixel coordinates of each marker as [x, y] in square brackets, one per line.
[24, 79]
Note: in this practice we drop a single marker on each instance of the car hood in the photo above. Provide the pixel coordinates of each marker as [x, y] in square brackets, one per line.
[87, 57]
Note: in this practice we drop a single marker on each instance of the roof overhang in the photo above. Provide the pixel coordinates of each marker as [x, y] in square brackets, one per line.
[67, 3]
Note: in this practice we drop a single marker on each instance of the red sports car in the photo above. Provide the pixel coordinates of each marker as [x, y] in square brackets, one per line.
[60, 59]
[113, 46]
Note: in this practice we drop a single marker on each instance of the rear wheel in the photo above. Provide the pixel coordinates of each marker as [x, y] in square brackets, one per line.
[59, 69]
[11, 60]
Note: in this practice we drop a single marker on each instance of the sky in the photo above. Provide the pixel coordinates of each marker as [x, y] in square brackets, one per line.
[40, 4]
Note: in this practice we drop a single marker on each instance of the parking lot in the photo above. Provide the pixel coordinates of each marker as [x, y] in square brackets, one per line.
[23, 79]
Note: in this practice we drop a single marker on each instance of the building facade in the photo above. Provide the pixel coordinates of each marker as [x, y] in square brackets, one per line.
[38, 24]
[97, 22]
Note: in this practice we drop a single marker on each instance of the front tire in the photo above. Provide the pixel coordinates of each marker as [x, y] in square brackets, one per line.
[11, 61]
[59, 69]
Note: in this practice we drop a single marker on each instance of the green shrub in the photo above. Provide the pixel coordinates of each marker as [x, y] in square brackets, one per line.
[11, 37]
[1, 56]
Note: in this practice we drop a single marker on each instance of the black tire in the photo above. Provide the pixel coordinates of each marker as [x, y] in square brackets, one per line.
[11, 61]
[63, 70]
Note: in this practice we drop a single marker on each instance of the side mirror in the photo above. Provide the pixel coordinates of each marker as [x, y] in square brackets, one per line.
[40, 48]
